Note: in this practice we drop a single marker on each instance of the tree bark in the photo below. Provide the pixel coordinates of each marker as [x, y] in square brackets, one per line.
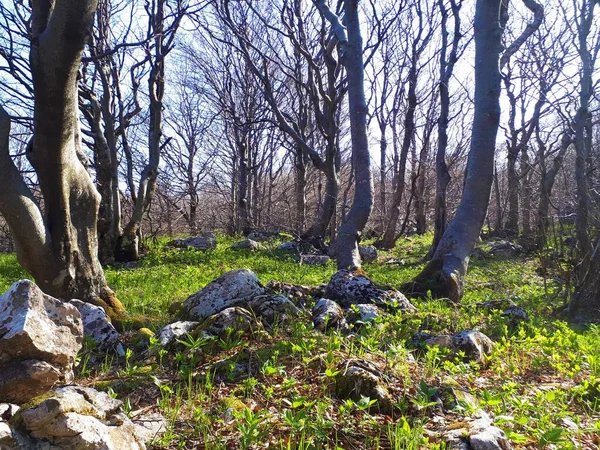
[441, 168]
[585, 305]
[444, 274]
[59, 247]
[346, 245]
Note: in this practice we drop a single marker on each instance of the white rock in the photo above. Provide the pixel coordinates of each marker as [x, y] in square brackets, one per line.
[272, 308]
[39, 340]
[368, 253]
[77, 418]
[150, 426]
[34, 325]
[206, 241]
[349, 288]
[96, 324]
[231, 289]
[314, 260]
[174, 331]
[328, 314]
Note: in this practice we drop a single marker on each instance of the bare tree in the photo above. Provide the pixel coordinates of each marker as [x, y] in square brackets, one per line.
[419, 43]
[351, 48]
[444, 274]
[57, 244]
[448, 59]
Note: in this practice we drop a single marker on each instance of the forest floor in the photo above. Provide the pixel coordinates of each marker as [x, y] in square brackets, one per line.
[541, 384]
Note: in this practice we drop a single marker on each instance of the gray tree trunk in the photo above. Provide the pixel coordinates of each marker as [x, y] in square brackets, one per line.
[441, 168]
[346, 245]
[58, 246]
[444, 274]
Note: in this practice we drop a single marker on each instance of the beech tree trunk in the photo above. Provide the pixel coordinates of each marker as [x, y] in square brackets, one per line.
[346, 245]
[585, 305]
[300, 188]
[444, 274]
[57, 245]
[441, 168]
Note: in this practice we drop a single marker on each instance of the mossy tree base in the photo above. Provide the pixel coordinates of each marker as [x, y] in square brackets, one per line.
[441, 280]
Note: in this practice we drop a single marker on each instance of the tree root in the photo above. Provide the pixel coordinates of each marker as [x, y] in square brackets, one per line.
[437, 280]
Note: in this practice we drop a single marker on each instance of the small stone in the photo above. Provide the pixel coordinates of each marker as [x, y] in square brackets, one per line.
[141, 338]
[7, 441]
[368, 253]
[7, 410]
[291, 246]
[475, 345]
[350, 288]
[273, 308]
[361, 378]
[263, 235]
[505, 249]
[516, 313]
[314, 260]
[230, 289]
[327, 314]
[206, 241]
[232, 322]
[96, 324]
[362, 313]
[247, 244]
[168, 335]
[149, 426]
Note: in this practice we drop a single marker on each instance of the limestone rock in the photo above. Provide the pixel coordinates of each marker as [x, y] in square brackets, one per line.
[7, 441]
[452, 396]
[149, 426]
[350, 288]
[34, 325]
[505, 249]
[263, 235]
[273, 308]
[230, 289]
[96, 324]
[76, 417]
[238, 319]
[475, 345]
[516, 313]
[479, 433]
[291, 246]
[168, 335]
[368, 253]
[314, 260]
[39, 339]
[297, 293]
[366, 313]
[24, 380]
[206, 241]
[328, 314]
[247, 244]
[361, 378]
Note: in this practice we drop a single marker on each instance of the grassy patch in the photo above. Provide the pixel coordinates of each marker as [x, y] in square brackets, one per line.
[541, 386]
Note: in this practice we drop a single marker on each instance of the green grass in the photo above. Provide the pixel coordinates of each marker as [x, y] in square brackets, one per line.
[541, 386]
